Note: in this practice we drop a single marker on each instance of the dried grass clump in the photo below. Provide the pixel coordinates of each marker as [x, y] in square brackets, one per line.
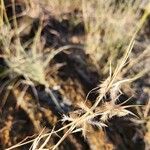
[32, 64]
[106, 25]
[103, 110]
[109, 27]
[30, 60]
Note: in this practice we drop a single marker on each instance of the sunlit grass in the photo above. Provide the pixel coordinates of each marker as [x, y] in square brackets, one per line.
[111, 32]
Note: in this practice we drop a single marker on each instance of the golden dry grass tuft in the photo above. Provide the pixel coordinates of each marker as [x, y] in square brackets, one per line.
[111, 34]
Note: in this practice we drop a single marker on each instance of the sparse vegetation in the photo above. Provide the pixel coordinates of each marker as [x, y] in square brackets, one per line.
[74, 74]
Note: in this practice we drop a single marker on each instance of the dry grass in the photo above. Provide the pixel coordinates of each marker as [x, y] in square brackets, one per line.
[109, 30]
[31, 60]
[108, 45]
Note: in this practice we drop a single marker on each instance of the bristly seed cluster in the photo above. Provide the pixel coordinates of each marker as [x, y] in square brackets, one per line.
[98, 117]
